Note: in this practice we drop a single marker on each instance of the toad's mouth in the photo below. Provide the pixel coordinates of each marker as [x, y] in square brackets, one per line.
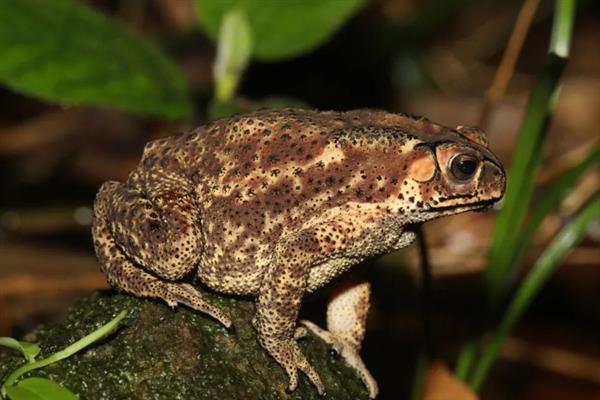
[473, 206]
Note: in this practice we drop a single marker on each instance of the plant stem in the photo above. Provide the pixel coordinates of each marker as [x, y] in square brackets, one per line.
[66, 352]
[233, 54]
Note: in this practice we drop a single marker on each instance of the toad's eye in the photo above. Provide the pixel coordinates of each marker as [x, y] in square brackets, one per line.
[463, 166]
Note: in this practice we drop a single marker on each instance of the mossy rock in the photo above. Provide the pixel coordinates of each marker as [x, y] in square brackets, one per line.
[159, 353]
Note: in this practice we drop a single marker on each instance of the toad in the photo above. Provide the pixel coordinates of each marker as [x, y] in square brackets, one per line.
[276, 204]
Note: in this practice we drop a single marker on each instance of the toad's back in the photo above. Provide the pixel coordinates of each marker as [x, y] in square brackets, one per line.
[260, 176]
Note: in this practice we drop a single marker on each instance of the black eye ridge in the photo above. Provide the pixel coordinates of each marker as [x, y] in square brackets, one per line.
[464, 166]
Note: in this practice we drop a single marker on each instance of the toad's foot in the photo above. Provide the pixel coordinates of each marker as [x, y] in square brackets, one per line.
[288, 355]
[184, 293]
[348, 351]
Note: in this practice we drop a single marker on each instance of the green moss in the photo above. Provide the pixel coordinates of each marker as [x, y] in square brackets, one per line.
[158, 353]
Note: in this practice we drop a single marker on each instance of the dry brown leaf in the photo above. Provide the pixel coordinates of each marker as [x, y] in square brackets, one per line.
[441, 384]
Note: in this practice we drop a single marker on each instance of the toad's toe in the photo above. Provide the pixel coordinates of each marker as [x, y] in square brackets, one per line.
[349, 352]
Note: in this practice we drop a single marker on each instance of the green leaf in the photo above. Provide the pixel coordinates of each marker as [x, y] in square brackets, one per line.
[542, 270]
[63, 51]
[39, 389]
[18, 393]
[233, 54]
[281, 29]
[29, 350]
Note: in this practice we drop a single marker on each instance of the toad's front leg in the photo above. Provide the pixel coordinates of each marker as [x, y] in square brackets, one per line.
[279, 301]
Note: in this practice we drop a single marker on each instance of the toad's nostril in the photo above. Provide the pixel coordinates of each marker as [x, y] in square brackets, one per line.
[492, 179]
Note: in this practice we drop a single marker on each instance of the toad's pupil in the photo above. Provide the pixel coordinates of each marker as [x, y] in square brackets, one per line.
[467, 167]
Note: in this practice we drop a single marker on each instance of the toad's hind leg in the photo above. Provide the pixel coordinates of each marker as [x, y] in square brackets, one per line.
[143, 252]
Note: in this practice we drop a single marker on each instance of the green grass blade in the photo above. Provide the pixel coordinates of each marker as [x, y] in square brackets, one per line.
[66, 352]
[466, 359]
[543, 269]
[521, 177]
[550, 200]
[562, 27]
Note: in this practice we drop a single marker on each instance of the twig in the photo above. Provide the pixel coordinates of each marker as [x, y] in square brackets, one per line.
[509, 59]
